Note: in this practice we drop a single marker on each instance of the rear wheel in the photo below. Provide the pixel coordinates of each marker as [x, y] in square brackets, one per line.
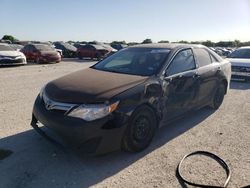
[140, 130]
[218, 96]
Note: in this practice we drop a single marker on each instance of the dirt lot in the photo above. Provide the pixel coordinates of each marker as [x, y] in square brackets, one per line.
[37, 163]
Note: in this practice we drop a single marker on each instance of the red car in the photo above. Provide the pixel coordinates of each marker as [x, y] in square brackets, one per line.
[92, 51]
[41, 53]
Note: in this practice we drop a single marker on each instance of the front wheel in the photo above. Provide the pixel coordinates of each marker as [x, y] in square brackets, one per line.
[37, 60]
[140, 130]
[218, 96]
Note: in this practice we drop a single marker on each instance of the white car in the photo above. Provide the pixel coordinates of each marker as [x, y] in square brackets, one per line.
[9, 56]
[240, 62]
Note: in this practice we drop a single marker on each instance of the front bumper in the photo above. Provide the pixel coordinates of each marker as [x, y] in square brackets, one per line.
[240, 73]
[18, 61]
[240, 76]
[48, 59]
[96, 137]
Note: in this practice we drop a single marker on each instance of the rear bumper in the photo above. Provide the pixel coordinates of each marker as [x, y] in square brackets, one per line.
[88, 137]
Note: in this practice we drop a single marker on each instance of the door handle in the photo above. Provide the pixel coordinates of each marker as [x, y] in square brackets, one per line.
[168, 79]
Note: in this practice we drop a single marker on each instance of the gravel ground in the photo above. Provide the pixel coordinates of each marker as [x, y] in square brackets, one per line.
[37, 163]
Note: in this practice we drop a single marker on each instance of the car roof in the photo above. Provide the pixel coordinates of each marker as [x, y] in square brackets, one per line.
[96, 46]
[168, 45]
[244, 47]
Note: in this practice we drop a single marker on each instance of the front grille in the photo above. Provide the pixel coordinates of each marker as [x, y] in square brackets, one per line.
[57, 107]
[11, 61]
[240, 69]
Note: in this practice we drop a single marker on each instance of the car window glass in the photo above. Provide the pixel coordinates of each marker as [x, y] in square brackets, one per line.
[27, 47]
[124, 59]
[203, 57]
[136, 61]
[183, 61]
[213, 58]
[32, 48]
[240, 53]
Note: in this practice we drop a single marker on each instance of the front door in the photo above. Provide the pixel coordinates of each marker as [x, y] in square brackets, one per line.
[180, 85]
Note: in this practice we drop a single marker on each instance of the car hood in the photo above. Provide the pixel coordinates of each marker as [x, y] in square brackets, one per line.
[90, 86]
[11, 53]
[239, 62]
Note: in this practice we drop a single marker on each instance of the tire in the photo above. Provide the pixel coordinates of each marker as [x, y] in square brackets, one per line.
[98, 56]
[218, 96]
[140, 130]
[37, 61]
[79, 56]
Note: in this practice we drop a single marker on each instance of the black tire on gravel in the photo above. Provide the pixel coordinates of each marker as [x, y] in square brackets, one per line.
[218, 96]
[140, 130]
[37, 61]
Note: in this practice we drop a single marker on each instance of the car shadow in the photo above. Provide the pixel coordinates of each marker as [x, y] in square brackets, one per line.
[239, 85]
[38, 163]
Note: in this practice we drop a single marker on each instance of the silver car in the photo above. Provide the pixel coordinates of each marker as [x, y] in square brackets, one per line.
[240, 62]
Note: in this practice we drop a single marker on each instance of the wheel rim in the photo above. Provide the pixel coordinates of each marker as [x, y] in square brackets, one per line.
[141, 129]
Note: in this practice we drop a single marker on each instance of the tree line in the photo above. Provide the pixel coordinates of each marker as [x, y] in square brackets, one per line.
[235, 43]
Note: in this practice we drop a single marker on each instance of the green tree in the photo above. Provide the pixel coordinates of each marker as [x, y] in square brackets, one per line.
[119, 42]
[183, 41]
[237, 43]
[10, 38]
[147, 41]
[163, 41]
[208, 43]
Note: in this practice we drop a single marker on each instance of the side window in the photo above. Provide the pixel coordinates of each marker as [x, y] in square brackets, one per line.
[32, 48]
[27, 48]
[203, 57]
[182, 62]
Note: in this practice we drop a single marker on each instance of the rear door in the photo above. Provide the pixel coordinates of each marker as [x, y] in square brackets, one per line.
[180, 85]
[208, 70]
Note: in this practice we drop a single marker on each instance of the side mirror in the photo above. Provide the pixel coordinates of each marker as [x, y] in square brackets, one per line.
[166, 74]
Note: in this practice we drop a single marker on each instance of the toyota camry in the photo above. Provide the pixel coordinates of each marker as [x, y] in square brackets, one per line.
[121, 101]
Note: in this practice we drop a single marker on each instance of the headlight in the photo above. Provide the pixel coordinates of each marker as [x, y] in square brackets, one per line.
[93, 112]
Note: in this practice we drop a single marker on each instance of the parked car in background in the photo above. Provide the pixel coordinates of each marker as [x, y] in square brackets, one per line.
[240, 62]
[222, 51]
[106, 46]
[41, 53]
[9, 56]
[68, 50]
[121, 101]
[92, 51]
[119, 46]
[16, 47]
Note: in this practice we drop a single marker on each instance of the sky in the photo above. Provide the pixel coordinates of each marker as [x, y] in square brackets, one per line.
[129, 20]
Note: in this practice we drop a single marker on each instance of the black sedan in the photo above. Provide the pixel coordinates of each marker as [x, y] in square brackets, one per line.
[122, 100]
[68, 50]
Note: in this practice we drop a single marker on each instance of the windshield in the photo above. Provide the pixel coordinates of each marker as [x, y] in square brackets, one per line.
[136, 61]
[6, 48]
[44, 48]
[240, 53]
